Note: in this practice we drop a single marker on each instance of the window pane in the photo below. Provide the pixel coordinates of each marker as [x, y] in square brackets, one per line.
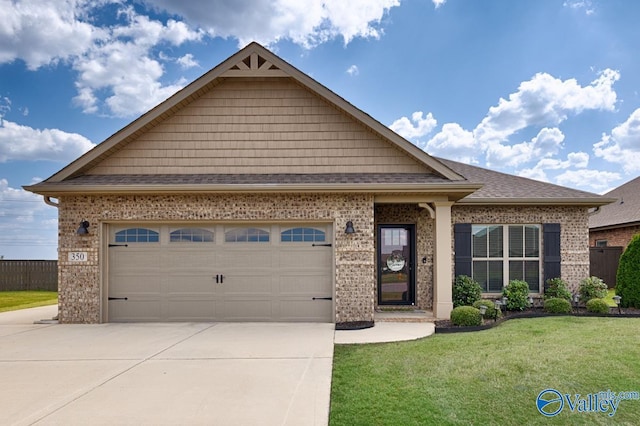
[516, 242]
[480, 239]
[193, 235]
[496, 280]
[532, 241]
[516, 270]
[495, 241]
[526, 270]
[246, 235]
[302, 234]
[480, 273]
[532, 275]
[137, 235]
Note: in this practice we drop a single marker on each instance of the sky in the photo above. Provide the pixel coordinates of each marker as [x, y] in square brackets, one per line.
[545, 89]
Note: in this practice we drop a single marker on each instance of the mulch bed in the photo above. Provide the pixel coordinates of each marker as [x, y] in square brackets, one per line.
[445, 326]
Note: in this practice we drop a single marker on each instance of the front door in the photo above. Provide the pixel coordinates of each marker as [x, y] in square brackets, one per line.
[396, 260]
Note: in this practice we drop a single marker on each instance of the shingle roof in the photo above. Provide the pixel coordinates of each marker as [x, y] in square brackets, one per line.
[210, 183]
[625, 210]
[255, 179]
[509, 189]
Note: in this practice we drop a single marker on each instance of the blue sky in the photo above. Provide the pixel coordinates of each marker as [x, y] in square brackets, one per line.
[547, 89]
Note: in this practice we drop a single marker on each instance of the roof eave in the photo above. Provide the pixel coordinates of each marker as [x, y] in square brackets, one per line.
[586, 201]
[614, 226]
[455, 191]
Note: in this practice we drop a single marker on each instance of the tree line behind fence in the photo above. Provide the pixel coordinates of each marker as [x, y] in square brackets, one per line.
[17, 275]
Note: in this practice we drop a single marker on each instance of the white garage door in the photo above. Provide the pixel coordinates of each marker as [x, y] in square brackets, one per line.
[219, 272]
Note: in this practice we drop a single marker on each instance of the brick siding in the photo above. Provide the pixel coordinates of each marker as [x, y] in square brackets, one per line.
[79, 288]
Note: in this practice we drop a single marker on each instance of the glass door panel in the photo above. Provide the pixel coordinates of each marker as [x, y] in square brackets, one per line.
[395, 265]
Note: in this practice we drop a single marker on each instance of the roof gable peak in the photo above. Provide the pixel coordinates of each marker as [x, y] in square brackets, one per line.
[254, 65]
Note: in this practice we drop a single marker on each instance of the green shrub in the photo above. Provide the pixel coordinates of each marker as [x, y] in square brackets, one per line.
[592, 288]
[557, 305]
[466, 291]
[628, 276]
[466, 316]
[491, 308]
[557, 288]
[598, 306]
[517, 294]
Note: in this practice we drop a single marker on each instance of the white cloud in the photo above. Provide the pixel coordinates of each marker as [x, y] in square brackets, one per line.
[305, 23]
[123, 68]
[622, 146]
[586, 5]
[453, 142]
[592, 180]
[416, 127]
[353, 70]
[438, 3]
[579, 160]
[118, 73]
[25, 143]
[42, 32]
[542, 101]
[187, 61]
[548, 142]
[28, 227]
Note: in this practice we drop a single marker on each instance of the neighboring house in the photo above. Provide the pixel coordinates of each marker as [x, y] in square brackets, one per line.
[611, 228]
[257, 194]
[615, 224]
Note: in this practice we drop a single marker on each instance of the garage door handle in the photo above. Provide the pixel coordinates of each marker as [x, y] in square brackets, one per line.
[220, 279]
[118, 298]
[320, 245]
[322, 298]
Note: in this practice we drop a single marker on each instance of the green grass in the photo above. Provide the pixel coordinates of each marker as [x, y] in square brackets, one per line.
[491, 377]
[14, 300]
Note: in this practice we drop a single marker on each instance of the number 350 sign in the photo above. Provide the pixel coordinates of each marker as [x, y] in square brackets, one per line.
[78, 256]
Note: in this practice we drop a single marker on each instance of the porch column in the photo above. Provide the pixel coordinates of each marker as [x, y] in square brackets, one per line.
[442, 274]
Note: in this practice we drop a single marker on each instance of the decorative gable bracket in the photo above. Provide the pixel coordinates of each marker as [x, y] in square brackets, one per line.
[254, 65]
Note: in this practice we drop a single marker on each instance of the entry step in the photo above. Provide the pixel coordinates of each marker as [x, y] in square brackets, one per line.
[403, 316]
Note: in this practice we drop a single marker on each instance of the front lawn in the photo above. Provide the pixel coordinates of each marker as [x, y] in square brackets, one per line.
[14, 300]
[491, 377]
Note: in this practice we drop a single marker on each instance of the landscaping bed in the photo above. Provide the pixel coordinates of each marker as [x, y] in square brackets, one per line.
[445, 326]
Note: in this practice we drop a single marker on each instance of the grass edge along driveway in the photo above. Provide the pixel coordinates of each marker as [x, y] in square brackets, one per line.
[15, 300]
[491, 377]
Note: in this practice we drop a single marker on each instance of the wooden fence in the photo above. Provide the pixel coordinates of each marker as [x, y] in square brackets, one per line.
[604, 263]
[16, 275]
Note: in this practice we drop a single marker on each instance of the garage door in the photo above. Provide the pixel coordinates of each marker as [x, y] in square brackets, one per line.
[268, 272]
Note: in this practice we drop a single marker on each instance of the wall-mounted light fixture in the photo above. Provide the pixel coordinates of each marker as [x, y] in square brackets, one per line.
[84, 228]
[349, 229]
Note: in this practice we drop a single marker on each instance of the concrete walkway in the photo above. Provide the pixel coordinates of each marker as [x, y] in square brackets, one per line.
[167, 374]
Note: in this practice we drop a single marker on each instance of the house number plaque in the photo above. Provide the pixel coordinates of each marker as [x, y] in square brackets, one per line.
[78, 256]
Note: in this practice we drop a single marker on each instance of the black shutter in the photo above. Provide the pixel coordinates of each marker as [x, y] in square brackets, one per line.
[551, 251]
[462, 249]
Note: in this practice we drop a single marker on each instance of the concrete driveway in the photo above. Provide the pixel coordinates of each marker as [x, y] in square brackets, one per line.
[164, 374]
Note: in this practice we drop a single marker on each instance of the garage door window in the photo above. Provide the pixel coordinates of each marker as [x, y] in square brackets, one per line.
[246, 235]
[295, 235]
[137, 235]
[191, 235]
